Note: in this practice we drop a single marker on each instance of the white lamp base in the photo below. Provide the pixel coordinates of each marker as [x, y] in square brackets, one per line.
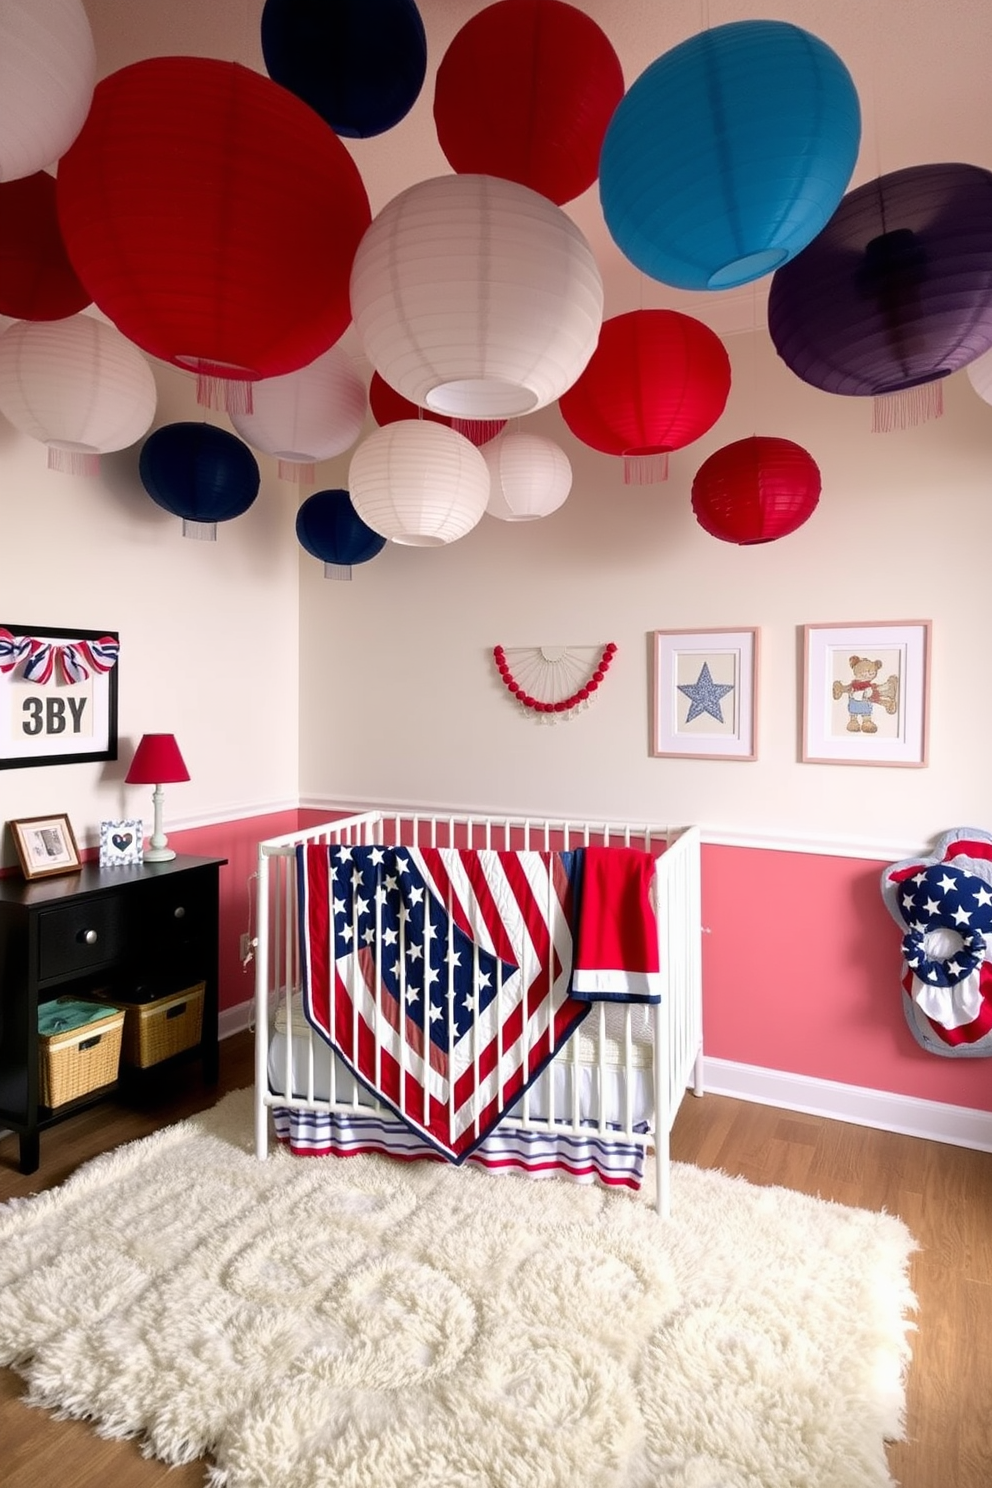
[158, 854]
[157, 850]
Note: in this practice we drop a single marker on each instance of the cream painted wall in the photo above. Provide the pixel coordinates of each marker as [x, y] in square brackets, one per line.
[208, 630]
[400, 699]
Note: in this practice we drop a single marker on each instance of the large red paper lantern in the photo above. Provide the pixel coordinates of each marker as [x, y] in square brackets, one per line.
[388, 407]
[37, 281]
[657, 381]
[213, 217]
[525, 91]
[756, 490]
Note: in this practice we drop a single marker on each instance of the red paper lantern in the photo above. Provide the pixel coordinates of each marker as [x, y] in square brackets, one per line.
[756, 490]
[657, 381]
[388, 407]
[525, 91]
[37, 281]
[213, 217]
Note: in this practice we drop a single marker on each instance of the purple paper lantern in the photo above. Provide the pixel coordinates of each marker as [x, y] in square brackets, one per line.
[895, 293]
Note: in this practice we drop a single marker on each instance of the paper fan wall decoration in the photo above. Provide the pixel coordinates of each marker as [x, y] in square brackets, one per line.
[553, 682]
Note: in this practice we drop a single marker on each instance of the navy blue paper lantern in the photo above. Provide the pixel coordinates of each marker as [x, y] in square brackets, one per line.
[896, 292]
[200, 473]
[359, 64]
[729, 154]
[329, 528]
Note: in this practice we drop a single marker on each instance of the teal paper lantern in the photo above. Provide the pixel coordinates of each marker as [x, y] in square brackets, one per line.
[729, 154]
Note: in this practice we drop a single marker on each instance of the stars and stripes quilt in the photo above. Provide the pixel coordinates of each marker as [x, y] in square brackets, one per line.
[403, 951]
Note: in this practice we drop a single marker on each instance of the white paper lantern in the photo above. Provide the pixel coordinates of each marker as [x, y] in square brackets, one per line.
[530, 477]
[78, 386]
[306, 416]
[418, 483]
[47, 75]
[476, 297]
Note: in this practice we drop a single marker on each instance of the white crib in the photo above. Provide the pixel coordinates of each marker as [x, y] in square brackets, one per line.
[617, 1082]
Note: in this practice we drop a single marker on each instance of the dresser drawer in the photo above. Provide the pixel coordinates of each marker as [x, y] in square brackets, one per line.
[175, 918]
[79, 937]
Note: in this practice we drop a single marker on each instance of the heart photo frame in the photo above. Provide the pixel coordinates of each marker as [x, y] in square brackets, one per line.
[121, 843]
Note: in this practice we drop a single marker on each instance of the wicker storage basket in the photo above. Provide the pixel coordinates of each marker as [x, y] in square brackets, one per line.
[79, 1060]
[154, 1031]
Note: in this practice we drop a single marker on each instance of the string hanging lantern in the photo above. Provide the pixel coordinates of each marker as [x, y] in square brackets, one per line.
[359, 64]
[476, 297]
[729, 154]
[78, 386]
[306, 416]
[756, 490]
[418, 483]
[529, 477]
[657, 381]
[173, 203]
[525, 91]
[553, 682]
[200, 473]
[47, 73]
[37, 281]
[895, 294]
[329, 528]
[388, 406]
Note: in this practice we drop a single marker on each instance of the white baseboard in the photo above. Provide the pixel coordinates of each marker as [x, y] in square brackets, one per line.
[960, 1126]
[235, 1019]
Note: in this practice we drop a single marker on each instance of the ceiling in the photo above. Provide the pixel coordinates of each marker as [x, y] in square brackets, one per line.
[921, 70]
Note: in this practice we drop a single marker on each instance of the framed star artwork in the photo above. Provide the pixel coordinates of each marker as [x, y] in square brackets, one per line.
[705, 694]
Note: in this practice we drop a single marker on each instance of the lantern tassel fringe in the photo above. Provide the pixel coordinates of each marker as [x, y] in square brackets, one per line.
[479, 431]
[907, 408]
[229, 394]
[73, 462]
[645, 470]
[200, 531]
[300, 472]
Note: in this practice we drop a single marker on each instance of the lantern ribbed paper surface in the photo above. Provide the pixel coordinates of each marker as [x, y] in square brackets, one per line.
[47, 73]
[756, 490]
[657, 381]
[525, 91]
[418, 483]
[896, 292]
[77, 385]
[476, 297]
[37, 281]
[729, 154]
[200, 473]
[980, 376]
[359, 64]
[213, 217]
[530, 477]
[329, 528]
[306, 416]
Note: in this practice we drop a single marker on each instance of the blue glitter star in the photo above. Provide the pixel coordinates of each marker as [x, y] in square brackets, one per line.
[704, 695]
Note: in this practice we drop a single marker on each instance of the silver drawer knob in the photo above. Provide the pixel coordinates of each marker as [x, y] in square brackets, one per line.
[89, 936]
[179, 912]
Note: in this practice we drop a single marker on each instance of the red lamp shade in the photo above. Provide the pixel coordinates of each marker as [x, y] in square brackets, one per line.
[157, 761]
[37, 281]
[525, 91]
[213, 216]
[657, 381]
[389, 407]
[756, 490]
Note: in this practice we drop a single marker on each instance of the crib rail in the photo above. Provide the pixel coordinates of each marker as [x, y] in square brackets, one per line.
[550, 1107]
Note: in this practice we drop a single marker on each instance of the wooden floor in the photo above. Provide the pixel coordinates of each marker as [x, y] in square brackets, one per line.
[943, 1193]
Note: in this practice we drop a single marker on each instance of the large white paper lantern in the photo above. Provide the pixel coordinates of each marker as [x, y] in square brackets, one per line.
[306, 416]
[47, 75]
[980, 376]
[476, 297]
[418, 483]
[78, 386]
[530, 477]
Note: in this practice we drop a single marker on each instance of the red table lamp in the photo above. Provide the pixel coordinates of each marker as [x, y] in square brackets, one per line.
[157, 762]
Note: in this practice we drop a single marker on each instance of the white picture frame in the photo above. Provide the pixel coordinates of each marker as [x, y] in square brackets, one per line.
[705, 694]
[121, 843]
[866, 693]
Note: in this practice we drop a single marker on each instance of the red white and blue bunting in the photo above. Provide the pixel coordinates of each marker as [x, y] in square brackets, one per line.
[67, 661]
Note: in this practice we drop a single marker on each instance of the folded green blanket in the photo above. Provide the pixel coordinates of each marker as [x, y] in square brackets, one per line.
[63, 1013]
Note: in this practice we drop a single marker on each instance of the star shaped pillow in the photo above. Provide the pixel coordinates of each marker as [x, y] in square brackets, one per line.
[943, 903]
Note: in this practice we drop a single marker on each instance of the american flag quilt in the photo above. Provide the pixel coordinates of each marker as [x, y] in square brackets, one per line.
[403, 951]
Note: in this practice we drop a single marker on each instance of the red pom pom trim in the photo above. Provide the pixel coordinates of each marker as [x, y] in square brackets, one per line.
[565, 704]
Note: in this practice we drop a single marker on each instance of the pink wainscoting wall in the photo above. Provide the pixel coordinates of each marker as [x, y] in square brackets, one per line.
[801, 967]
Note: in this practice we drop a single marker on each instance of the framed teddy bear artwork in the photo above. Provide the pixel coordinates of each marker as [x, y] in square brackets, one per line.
[865, 693]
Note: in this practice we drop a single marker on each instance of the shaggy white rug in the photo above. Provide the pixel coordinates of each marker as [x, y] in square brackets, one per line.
[364, 1323]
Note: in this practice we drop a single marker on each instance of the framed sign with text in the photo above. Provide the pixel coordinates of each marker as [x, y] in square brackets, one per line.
[58, 695]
